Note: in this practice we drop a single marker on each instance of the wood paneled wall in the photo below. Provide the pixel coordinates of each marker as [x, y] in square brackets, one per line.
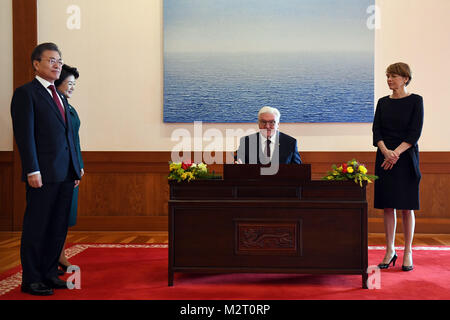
[24, 18]
[129, 190]
[6, 191]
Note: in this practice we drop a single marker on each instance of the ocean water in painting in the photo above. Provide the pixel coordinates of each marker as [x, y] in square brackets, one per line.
[304, 86]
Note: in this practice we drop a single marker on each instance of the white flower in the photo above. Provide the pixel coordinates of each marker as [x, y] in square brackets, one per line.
[202, 167]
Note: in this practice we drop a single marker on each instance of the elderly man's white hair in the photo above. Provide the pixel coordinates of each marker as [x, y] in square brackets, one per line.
[271, 110]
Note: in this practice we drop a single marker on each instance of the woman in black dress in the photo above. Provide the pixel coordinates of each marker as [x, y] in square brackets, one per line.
[396, 129]
[66, 85]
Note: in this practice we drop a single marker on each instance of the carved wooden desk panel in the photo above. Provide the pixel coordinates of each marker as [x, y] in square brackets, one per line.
[283, 226]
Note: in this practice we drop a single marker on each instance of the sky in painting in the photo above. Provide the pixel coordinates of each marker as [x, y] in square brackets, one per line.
[267, 26]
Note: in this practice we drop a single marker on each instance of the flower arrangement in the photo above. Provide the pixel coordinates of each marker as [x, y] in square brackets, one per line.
[187, 171]
[352, 170]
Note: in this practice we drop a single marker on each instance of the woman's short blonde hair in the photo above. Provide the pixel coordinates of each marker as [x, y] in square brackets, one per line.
[400, 68]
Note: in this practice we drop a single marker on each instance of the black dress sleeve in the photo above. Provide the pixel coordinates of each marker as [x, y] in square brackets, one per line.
[415, 123]
[376, 126]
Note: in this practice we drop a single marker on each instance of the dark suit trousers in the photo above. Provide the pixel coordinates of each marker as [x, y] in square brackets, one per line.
[44, 230]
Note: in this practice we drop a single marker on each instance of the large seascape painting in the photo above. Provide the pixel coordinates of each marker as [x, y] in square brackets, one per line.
[225, 59]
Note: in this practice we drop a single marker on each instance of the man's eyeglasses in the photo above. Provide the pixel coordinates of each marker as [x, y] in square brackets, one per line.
[55, 61]
[271, 123]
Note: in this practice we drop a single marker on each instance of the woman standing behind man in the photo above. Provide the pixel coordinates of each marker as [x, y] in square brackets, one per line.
[396, 129]
[66, 85]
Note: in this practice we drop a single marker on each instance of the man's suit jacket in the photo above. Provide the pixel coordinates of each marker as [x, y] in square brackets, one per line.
[285, 150]
[45, 142]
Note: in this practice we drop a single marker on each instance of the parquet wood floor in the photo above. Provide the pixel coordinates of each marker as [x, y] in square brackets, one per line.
[10, 241]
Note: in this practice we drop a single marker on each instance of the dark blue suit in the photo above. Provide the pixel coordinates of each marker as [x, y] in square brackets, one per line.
[285, 150]
[45, 143]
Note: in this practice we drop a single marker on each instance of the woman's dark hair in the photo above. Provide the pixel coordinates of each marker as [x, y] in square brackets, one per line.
[66, 71]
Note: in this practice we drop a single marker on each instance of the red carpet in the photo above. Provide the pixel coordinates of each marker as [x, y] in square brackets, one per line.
[139, 272]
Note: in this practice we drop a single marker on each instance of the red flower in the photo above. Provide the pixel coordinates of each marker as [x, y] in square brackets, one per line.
[186, 165]
[344, 168]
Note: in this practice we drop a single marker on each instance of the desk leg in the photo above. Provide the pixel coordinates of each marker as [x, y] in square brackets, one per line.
[365, 277]
[170, 280]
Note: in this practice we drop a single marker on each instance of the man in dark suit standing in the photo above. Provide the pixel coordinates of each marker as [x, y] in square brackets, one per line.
[50, 169]
[269, 145]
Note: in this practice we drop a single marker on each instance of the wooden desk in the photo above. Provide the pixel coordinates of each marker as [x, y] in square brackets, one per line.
[247, 223]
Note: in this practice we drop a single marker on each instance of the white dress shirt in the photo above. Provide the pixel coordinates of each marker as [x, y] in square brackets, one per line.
[46, 83]
[263, 143]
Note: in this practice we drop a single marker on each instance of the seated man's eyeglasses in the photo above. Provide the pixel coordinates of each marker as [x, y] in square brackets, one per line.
[271, 122]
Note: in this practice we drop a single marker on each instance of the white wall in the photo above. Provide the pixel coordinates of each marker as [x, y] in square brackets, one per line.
[418, 32]
[118, 50]
[6, 75]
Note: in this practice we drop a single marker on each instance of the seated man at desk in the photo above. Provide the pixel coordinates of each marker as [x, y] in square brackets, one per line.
[268, 145]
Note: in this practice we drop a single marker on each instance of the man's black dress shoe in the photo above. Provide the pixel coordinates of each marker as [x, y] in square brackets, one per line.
[56, 283]
[37, 289]
[63, 266]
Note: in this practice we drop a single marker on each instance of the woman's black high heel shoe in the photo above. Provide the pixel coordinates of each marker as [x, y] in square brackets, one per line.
[386, 265]
[407, 268]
